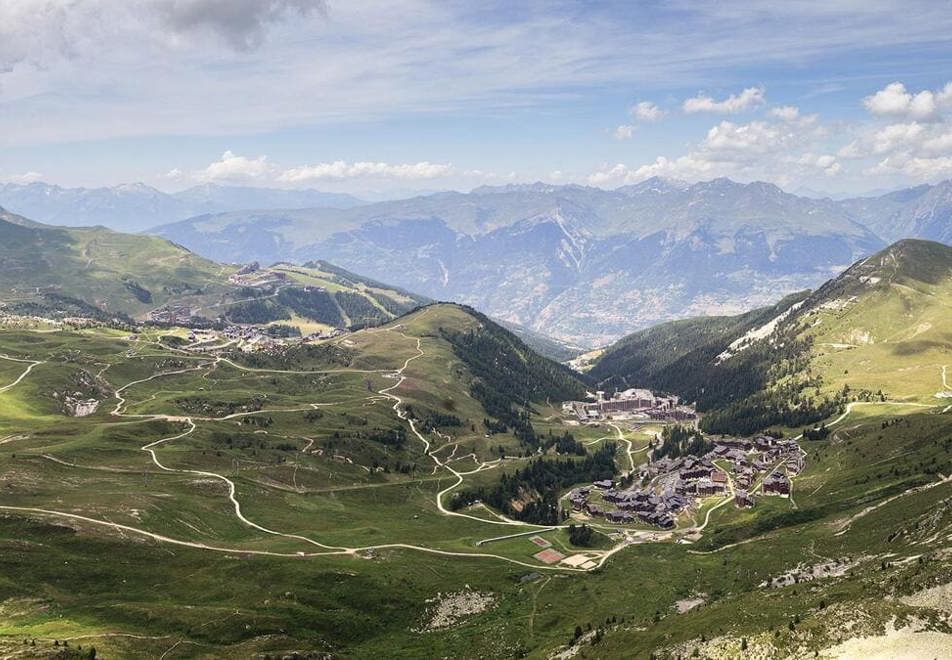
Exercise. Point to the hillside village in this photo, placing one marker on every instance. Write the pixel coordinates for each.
(665, 489)
(673, 484)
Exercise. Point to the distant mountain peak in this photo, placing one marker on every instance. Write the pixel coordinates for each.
(655, 184)
(537, 187)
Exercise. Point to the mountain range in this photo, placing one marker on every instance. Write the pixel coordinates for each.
(136, 206)
(580, 264)
(366, 483)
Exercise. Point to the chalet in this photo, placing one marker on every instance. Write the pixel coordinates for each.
(735, 443)
(743, 499)
(761, 463)
(794, 464)
(745, 478)
(578, 498)
(603, 484)
(593, 510)
(736, 455)
(697, 471)
(719, 477)
(707, 487)
(619, 517)
(642, 502)
(661, 466)
(660, 518)
(674, 502)
(764, 442)
(776, 484)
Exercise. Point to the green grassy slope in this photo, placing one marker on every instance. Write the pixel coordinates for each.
(113, 271)
(877, 330)
(315, 455)
(98, 272)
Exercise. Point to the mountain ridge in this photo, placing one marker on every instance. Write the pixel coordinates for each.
(560, 259)
(863, 333)
(137, 206)
(83, 271)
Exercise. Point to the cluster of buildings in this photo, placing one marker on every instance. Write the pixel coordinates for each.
(324, 334)
(252, 275)
(630, 404)
(627, 506)
(171, 314)
(673, 485)
(251, 338)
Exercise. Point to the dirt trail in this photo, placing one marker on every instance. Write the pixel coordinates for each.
(32, 364)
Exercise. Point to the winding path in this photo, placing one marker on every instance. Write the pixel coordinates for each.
(32, 365)
(398, 407)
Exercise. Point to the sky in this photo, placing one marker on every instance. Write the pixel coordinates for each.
(394, 98)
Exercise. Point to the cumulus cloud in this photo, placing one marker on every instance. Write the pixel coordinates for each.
(733, 104)
(686, 167)
(918, 151)
(921, 169)
(233, 168)
(895, 100)
(777, 151)
(340, 169)
(730, 141)
(826, 163)
(785, 112)
(885, 140)
(646, 111)
(623, 132)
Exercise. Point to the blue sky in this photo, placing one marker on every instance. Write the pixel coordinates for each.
(383, 99)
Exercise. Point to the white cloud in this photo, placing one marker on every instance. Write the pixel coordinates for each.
(340, 169)
(785, 112)
(21, 179)
(234, 168)
(781, 151)
(747, 99)
(623, 132)
(174, 174)
(96, 69)
(944, 96)
(911, 139)
(728, 141)
(916, 168)
(688, 167)
(646, 111)
(895, 101)
(826, 163)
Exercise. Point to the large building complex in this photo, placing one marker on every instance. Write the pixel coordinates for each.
(632, 402)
